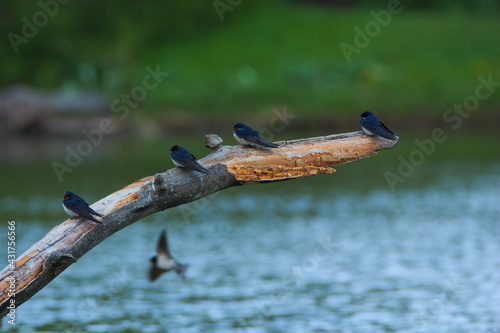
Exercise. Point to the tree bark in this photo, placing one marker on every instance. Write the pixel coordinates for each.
(228, 166)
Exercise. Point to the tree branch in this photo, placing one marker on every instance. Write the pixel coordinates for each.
(228, 165)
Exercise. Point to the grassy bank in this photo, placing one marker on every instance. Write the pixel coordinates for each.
(290, 55)
(264, 55)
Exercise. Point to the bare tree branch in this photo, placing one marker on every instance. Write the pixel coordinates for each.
(228, 165)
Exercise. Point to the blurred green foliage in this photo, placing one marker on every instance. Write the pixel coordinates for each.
(95, 44)
(264, 54)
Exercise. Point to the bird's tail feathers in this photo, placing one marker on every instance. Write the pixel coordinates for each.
(405, 143)
(181, 270)
(266, 143)
(93, 212)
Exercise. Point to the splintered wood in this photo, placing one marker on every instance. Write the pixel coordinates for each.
(268, 173)
(302, 158)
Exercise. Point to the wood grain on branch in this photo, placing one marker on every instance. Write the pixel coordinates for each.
(228, 165)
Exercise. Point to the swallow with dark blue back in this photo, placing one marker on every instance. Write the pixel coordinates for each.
(248, 136)
(75, 206)
(182, 158)
(371, 125)
(163, 261)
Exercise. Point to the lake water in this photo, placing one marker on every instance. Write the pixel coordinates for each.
(324, 254)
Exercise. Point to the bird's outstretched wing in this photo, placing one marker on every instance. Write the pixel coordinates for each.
(155, 272)
(162, 247)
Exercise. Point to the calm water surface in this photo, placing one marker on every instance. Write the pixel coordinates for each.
(327, 258)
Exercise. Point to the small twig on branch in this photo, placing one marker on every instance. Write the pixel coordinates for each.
(228, 166)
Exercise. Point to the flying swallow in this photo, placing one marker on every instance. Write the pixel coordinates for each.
(184, 159)
(247, 136)
(75, 206)
(371, 125)
(163, 261)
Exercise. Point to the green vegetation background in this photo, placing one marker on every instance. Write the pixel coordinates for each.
(264, 54)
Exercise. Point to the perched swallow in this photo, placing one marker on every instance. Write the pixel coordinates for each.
(75, 206)
(184, 159)
(247, 136)
(371, 125)
(163, 261)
